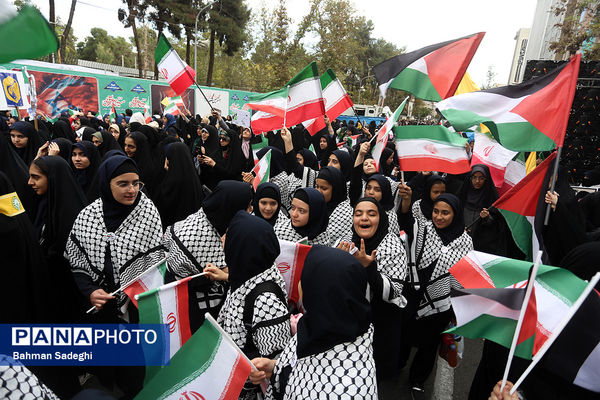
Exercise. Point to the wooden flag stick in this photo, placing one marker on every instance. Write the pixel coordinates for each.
(286, 105)
(554, 176)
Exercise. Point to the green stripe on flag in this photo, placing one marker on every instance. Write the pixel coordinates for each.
(521, 231)
(417, 83)
(327, 78)
(162, 48)
(435, 133)
(570, 285)
(150, 312)
(281, 93)
(309, 72)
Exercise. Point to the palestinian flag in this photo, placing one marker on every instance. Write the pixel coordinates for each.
(172, 109)
(209, 366)
(489, 152)
(151, 278)
(26, 35)
(112, 116)
(300, 100)
(352, 140)
(518, 206)
(385, 132)
(493, 313)
(312, 148)
(335, 98)
(515, 171)
(264, 142)
(556, 290)
(179, 75)
(290, 263)
(431, 148)
(526, 117)
(432, 73)
(262, 170)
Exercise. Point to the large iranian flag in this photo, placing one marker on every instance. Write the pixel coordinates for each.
(299, 100)
(431, 148)
(518, 206)
(556, 290)
(526, 117)
(335, 98)
(290, 263)
(262, 170)
(489, 152)
(151, 278)
(385, 132)
(432, 73)
(209, 367)
(256, 147)
(179, 75)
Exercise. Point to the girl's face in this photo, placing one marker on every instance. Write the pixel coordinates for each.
(477, 180)
(366, 219)
(204, 135)
(299, 213)
(369, 166)
(373, 189)
(323, 143)
(37, 180)
(125, 188)
(442, 215)
(79, 159)
(436, 190)
(130, 147)
(334, 162)
(18, 139)
(300, 159)
(96, 141)
(267, 207)
(115, 133)
(325, 188)
(246, 134)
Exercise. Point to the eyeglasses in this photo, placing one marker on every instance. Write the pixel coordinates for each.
(125, 185)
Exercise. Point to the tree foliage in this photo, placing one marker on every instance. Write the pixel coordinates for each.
(104, 48)
(580, 28)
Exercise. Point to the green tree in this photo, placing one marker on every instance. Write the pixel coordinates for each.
(104, 48)
(580, 28)
(147, 39)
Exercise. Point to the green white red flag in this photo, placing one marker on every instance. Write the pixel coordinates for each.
(262, 170)
(179, 75)
(290, 263)
(256, 147)
(147, 115)
(556, 290)
(299, 100)
(335, 99)
(172, 109)
(209, 366)
(431, 148)
(489, 152)
(152, 278)
(518, 206)
(384, 133)
(515, 171)
(432, 73)
(530, 116)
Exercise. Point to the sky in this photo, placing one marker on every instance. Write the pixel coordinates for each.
(409, 24)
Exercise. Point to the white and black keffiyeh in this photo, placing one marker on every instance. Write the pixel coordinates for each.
(391, 265)
(347, 371)
(432, 254)
(287, 186)
(285, 231)
(134, 247)
(340, 222)
(19, 383)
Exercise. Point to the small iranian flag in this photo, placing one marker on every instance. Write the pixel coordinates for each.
(300, 100)
(515, 171)
(518, 206)
(432, 73)
(179, 75)
(290, 262)
(256, 147)
(489, 152)
(177, 100)
(556, 290)
(147, 115)
(431, 148)
(112, 116)
(530, 116)
(209, 366)
(262, 170)
(172, 109)
(152, 278)
(335, 98)
(385, 132)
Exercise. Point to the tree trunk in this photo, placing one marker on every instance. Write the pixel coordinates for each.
(136, 39)
(187, 47)
(52, 16)
(156, 66)
(211, 58)
(65, 35)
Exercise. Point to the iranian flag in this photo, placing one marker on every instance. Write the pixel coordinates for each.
(172, 109)
(518, 206)
(290, 263)
(256, 147)
(556, 290)
(385, 132)
(151, 278)
(526, 117)
(432, 73)
(177, 100)
(335, 98)
(262, 170)
(112, 116)
(179, 75)
(431, 148)
(300, 100)
(515, 171)
(147, 115)
(209, 366)
(489, 152)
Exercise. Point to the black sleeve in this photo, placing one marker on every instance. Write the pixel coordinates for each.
(375, 279)
(292, 166)
(355, 185)
(85, 284)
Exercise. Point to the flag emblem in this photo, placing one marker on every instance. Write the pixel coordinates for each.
(11, 89)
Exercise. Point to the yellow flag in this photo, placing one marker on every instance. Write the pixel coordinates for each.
(466, 85)
(531, 162)
(166, 101)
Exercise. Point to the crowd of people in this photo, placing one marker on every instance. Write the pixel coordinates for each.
(88, 203)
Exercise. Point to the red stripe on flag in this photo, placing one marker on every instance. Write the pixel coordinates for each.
(133, 289)
(433, 164)
(294, 117)
(183, 81)
(268, 108)
(530, 320)
(239, 373)
(470, 275)
(299, 257)
(183, 313)
(496, 172)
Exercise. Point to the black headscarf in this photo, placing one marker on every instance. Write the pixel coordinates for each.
(115, 212)
(34, 141)
(345, 161)
(271, 191)
(18, 172)
(484, 197)
(334, 286)
(62, 129)
(318, 218)
(64, 146)
(85, 177)
(60, 205)
(323, 155)
(225, 201)
(180, 193)
(87, 134)
(384, 167)
(143, 159)
(108, 143)
(150, 133)
(211, 145)
(382, 229)
(457, 226)
(426, 203)
(387, 200)
(583, 260)
(251, 247)
(310, 159)
(339, 192)
(277, 159)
